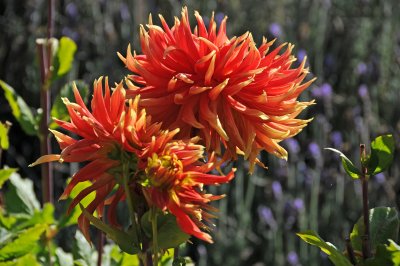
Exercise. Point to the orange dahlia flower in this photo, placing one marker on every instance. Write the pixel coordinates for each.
(173, 181)
(102, 133)
(226, 90)
(116, 133)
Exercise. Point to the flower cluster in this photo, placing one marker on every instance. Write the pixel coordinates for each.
(239, 98)
(117, 134)
(203, 93)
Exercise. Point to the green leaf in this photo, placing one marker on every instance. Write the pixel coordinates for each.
(23, 244)
(83, 252)
(72, 218)
(64, 57)
(348, 166)
(20, 110)
(58, 109)
(119, 258)
(28, 259)
(169, 234)
(63, 258)
(179, 261)
(20, 196)
(382, 151)
(7, 222)
(334, 255)
(128, 243)
(45, 216)
(383, 225)
(385, 255)
(4, 142)
(5, 174)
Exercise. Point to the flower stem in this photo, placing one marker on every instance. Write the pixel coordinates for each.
(350, 252)
(100, 243)
(176, 253)
(366, 249)
(153, 218)
(132, 212)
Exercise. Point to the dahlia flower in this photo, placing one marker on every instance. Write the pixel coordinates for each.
(101, 144)
(116, 133)
(238, 98)
(173, 181)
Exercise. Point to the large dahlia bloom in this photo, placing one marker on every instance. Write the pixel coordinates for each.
(225, 90)
(115, 134)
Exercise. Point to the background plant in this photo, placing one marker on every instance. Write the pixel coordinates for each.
(352, 47)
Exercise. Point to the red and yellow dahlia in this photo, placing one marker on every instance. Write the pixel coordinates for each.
(173, 181)
(225, 90)
(116, 133)
(102, 141)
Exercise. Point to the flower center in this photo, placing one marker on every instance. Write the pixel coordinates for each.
(163, 171)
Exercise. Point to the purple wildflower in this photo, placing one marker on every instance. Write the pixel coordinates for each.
(314, 149)
(292, 258)
(277, 190)
(275, 29)
(363, 91)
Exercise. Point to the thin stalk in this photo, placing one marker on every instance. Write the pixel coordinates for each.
(100, 247)
(366, 249)
(45, 59)
(176, 253)
(350, 252)
(132, 213)
(154, 229)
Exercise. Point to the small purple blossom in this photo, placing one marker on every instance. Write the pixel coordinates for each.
(124, 12)
(380, 178)
(298, 204)
(337, 139)
(361, 68)
(314, 149)
(277, 190)
(219, 17)
(324, 91)
(292, 258)
(71, 10)
(66, 31)
(267, 216)
(301, 54)
(275, 29)
(293, 145)
(363, 91)
(329, 60)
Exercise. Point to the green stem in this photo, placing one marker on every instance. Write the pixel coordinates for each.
(153, 218)
(131, 209)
